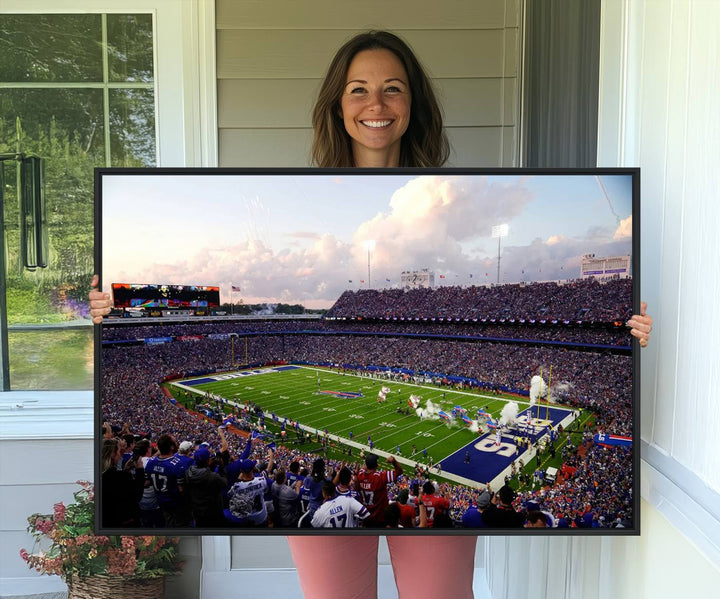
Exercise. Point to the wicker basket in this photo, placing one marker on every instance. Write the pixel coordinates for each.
(116, 587)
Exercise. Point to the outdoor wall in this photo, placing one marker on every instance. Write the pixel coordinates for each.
(271, 57)
(659, 84)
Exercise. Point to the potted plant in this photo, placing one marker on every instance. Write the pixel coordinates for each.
(95, 566)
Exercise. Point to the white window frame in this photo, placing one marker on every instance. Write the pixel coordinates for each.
(186, 130)
(185, 79)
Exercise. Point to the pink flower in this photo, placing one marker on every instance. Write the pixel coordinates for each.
(59, 512)
(24, 555)
(44, 526)
(121, 562)
(128, 542)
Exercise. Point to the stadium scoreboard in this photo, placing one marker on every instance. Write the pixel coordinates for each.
(415, 279)
(177, 297)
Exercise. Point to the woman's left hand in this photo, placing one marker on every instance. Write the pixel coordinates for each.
(641, 325)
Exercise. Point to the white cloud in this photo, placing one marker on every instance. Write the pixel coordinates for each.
(624, 229)
(431, 219)
(438, 222)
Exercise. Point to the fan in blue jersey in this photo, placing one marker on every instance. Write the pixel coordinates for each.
(165, 472)
(293, 475)
(338, 511)
(343, 483)
(312, 485)
(232, 470)
(183, 454)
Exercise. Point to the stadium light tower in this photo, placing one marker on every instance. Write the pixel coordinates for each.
(369, 246)
(499, 231)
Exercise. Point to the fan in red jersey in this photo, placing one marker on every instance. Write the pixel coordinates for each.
(436, 505)
(372, 484)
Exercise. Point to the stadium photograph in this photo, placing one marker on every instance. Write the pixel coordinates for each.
(328, 352)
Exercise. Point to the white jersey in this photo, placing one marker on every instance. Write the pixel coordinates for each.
(340, 512)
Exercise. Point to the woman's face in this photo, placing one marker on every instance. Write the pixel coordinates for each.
(375, 107)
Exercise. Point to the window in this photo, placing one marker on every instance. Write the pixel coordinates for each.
(78, 90)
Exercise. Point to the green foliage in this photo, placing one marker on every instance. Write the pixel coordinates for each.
(289, 309)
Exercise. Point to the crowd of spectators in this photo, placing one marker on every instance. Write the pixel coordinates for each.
(571, 333)
(592, 378)
(579, 299)
(597, 492)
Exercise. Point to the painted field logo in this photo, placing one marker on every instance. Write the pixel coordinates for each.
(341, 394)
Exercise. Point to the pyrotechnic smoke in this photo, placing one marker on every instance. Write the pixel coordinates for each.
(509, 413)
(430, 411)
(474, 427)
(538, 389)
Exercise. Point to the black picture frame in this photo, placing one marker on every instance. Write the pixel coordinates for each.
(139, 210)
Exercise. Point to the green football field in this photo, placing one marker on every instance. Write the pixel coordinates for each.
(295, 394)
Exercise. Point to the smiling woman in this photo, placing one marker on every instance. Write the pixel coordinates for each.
(375, 107)
(364, 105)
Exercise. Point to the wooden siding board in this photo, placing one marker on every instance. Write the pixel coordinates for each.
(287, 103)
(370, 14)
(265, 147)
(474, 146)
(306, 54)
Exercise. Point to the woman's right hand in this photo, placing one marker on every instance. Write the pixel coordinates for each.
(99, 302)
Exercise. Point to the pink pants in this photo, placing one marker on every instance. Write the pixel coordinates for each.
(346, 567)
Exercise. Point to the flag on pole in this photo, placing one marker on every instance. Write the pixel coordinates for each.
(237, 289)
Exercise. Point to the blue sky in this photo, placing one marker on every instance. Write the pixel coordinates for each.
(298, 238)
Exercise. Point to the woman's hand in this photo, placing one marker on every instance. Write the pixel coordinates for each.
(99, 302)
(641, 325)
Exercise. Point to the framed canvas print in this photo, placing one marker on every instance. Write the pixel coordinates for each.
(397, 351)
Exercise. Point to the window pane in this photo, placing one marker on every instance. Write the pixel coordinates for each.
(65, 127)
(53, 359)
(38, 48)
(52, 120)
(130, 48)
(132, 127)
